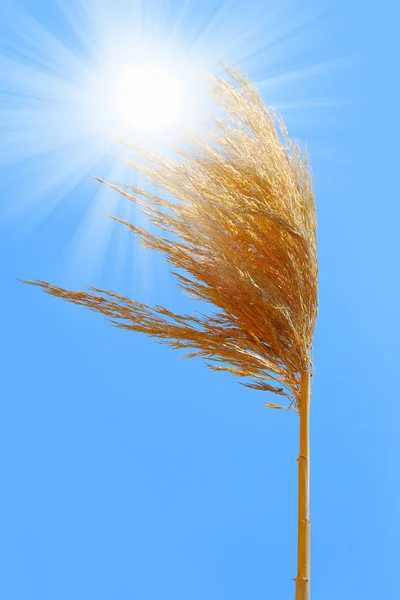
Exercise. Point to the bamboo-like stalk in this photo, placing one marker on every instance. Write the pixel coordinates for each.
(303, 542)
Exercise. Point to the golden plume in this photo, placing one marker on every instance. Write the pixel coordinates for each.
(236, 219)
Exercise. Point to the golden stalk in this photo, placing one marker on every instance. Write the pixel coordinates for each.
(238, 224)
(303, 542)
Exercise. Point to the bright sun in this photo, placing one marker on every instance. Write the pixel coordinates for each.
(147, 98)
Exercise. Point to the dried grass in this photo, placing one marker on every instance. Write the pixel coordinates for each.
(240, 207)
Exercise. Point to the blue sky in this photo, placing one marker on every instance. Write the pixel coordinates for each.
(127, 472)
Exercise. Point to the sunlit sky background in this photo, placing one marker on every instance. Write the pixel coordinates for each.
(127, 473)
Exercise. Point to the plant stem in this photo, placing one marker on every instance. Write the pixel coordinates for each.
(303, 544)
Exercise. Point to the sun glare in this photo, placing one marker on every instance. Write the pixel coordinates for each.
(147, 98)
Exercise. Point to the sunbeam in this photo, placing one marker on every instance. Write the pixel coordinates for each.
(100, 71)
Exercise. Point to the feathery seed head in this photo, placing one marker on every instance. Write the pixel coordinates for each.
(241, 211)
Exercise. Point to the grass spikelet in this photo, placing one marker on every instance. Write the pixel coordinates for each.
(240, 208)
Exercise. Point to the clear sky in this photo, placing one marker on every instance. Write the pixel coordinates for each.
(127, 473)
